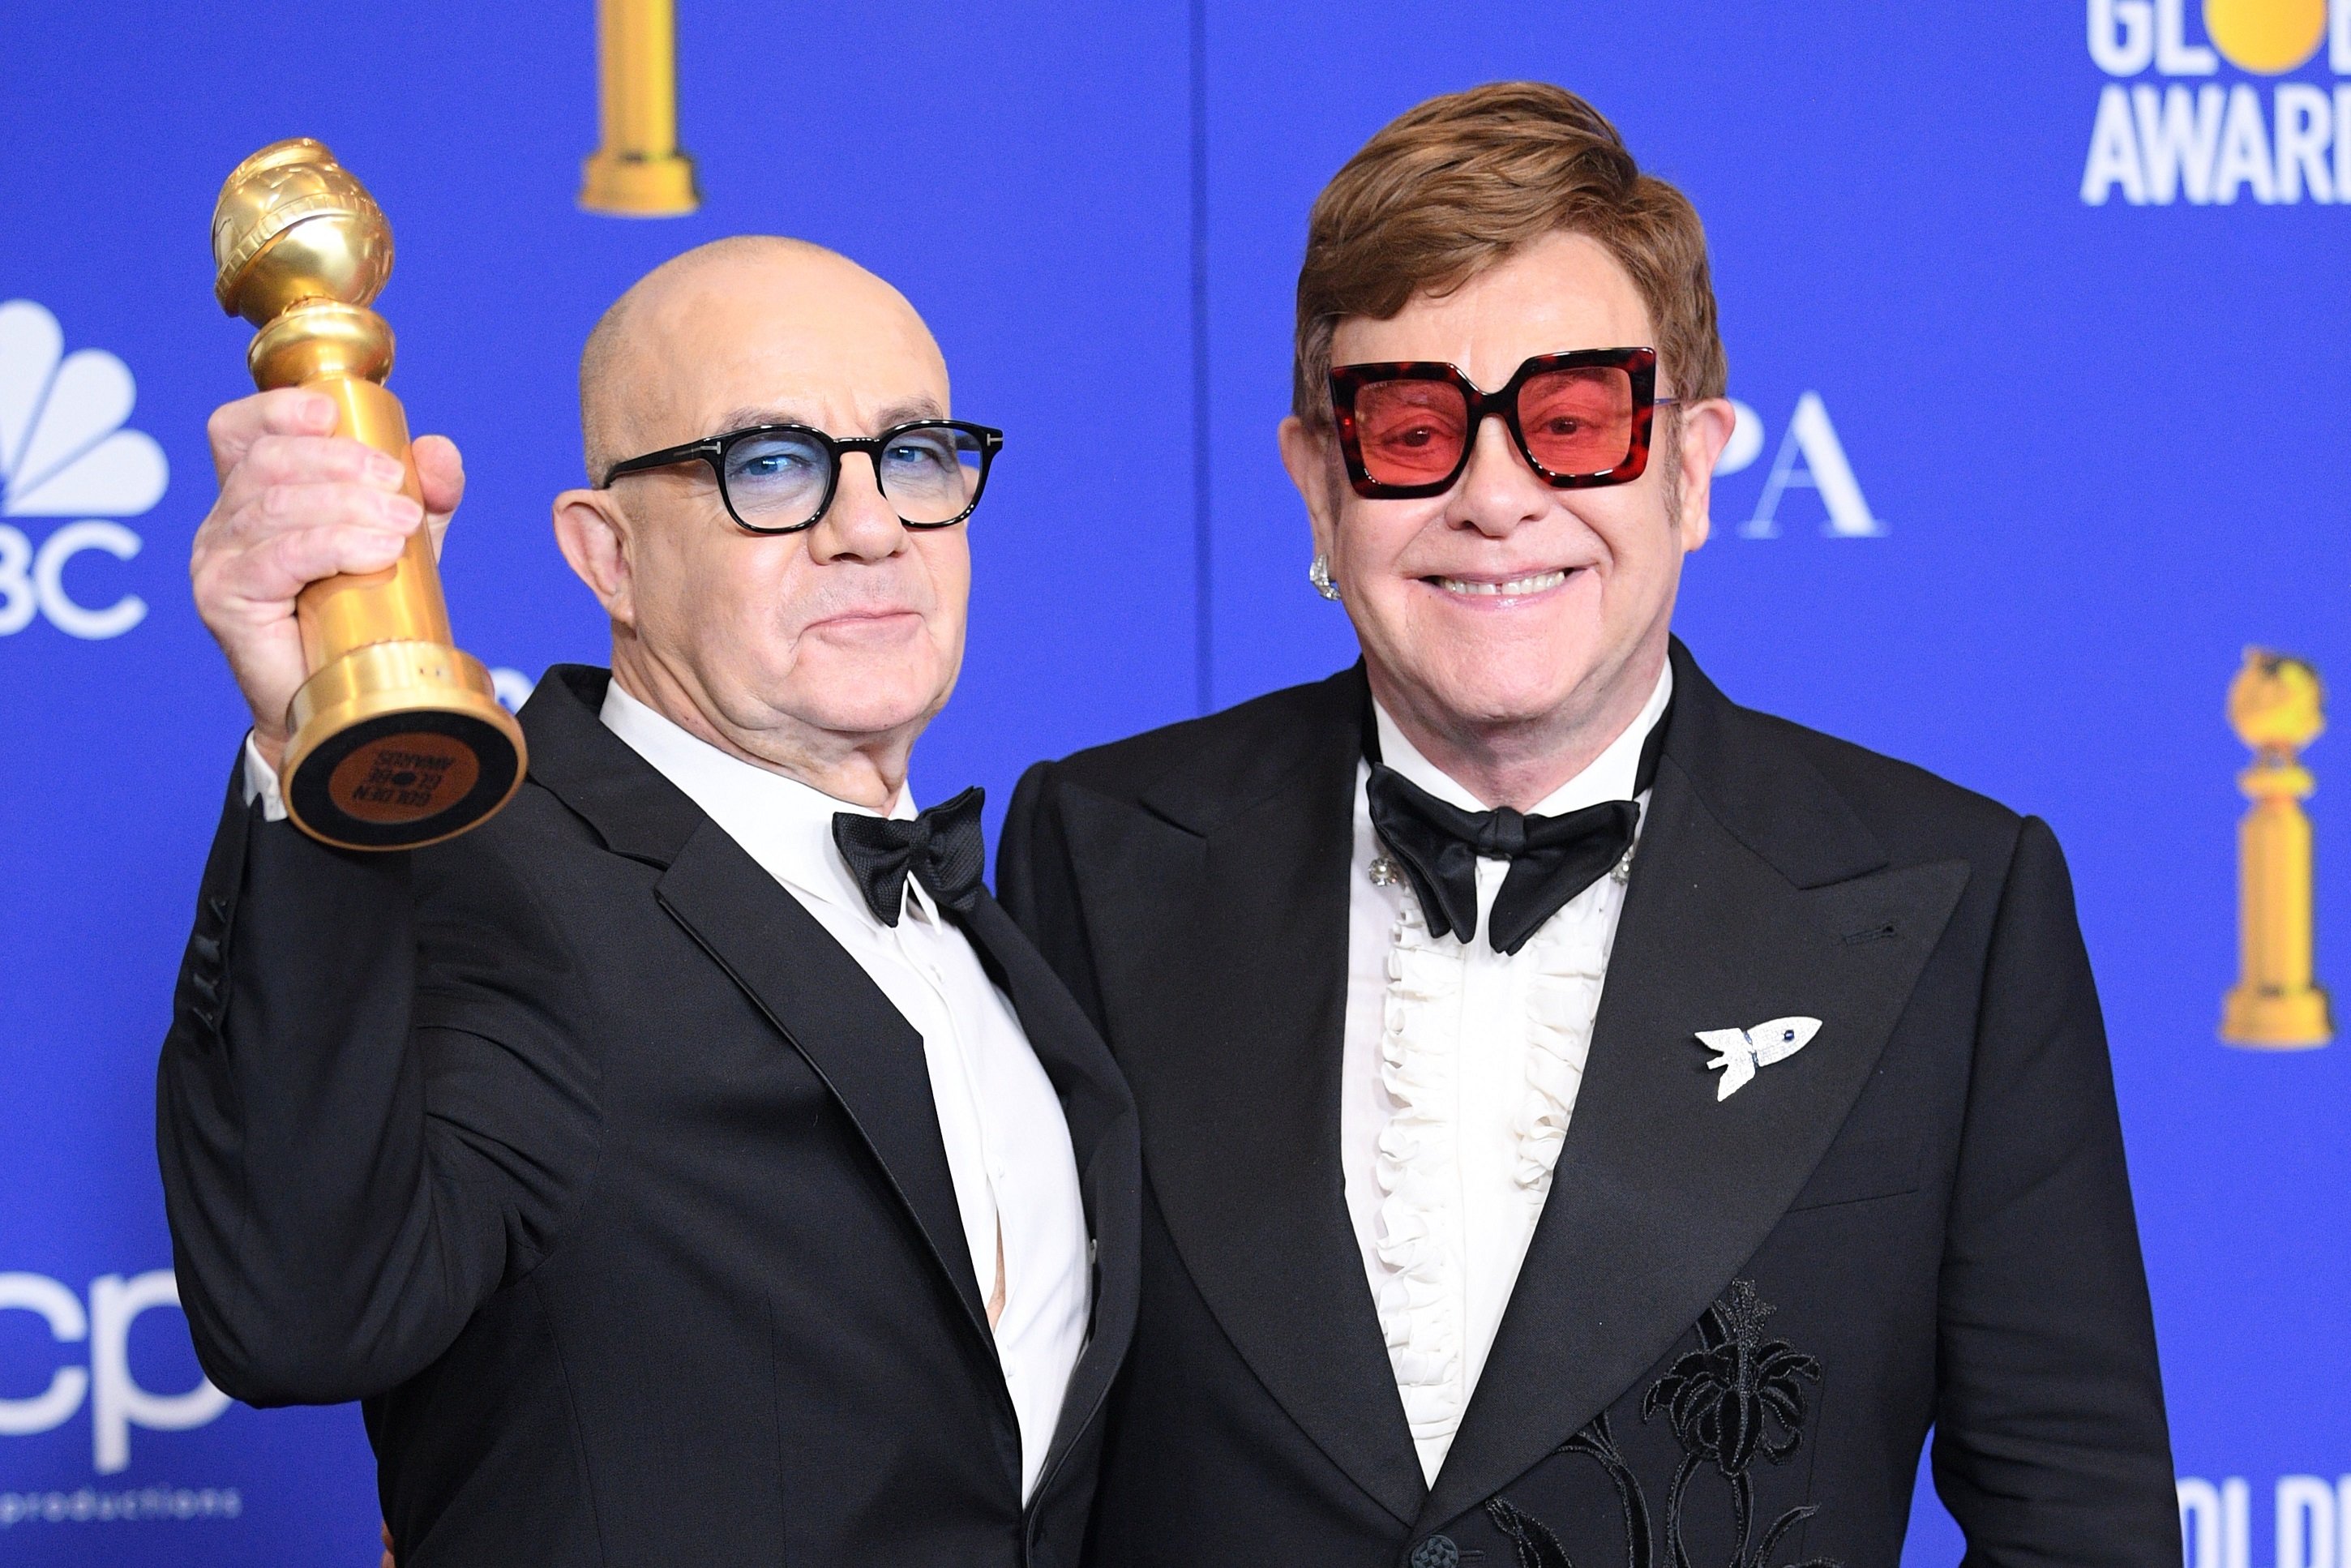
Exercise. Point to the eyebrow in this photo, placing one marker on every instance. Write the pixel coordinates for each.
(905, 412)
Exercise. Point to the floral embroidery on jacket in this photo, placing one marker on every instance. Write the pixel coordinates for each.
(1736, 1398)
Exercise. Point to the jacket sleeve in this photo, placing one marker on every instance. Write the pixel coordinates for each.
(1037, 882)
(371, 1113)
(2050, 1446)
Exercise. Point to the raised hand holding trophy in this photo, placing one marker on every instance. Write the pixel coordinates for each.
(398, 738)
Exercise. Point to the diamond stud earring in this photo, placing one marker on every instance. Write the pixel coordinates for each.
(1319, 574)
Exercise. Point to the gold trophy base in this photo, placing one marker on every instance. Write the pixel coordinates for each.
(2264, 1020)
(629, 186)
(397, 745)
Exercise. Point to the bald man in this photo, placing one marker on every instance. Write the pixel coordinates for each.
(692, 1163)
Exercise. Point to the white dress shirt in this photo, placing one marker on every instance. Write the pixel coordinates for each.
(1007, 1145)
(1460, 1073)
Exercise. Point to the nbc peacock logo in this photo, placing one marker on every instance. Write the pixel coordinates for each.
(2255, 106)
(64, 453)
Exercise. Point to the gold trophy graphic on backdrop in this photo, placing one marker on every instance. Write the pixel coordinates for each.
(638, 171)
(398, 737)
(2275, 706)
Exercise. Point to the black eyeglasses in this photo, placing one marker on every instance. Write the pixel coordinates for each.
(779, 478)
(1580, 420)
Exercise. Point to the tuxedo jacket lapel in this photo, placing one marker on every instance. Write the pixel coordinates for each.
(1104, 1141)
(868, 1056)
(1746, 905)
(809, 988)
(1224, 959)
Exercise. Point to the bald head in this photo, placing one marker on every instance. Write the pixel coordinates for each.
(729, 315)
(819, 650)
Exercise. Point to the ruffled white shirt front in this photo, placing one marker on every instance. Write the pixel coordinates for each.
(1461, 1070)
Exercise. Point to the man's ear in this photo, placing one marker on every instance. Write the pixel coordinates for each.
(592, 531)
(1705, 427)
(1312, 455)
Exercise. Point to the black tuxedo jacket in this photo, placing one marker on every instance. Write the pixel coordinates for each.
(609, 1183)
(1737, 1319)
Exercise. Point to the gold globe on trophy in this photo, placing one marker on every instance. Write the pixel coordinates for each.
(2277, 706)
(398, 737)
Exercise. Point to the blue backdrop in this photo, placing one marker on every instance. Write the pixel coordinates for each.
(2036, 312)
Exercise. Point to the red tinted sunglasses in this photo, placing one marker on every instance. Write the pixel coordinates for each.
(1580, 420)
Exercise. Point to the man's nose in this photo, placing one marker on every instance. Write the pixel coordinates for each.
(1498, 490)
(861, 524)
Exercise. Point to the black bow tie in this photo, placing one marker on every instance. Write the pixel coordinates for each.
(941, 847)
(1552, 859)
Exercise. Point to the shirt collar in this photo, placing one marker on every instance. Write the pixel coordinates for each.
(1609, 777)
(782, 823)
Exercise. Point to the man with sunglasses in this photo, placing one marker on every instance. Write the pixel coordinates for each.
(692, 1163)
(1584, 1120)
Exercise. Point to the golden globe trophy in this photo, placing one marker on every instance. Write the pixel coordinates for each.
(398, 737)
(638, 171)
(2275, 706)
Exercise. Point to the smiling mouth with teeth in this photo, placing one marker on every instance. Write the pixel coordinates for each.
(1515, 587)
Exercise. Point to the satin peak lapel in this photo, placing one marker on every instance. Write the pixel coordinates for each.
(1663, 1189)
(1100, 1116)
(810, 988)
(1224, 956)
(868, 1056)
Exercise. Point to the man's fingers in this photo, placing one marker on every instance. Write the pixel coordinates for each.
(288, 411)
(269, 577)
(291, 562)
(442, 472)
(297, 504)
(274, 459)
(285, 506)
(270, 568)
